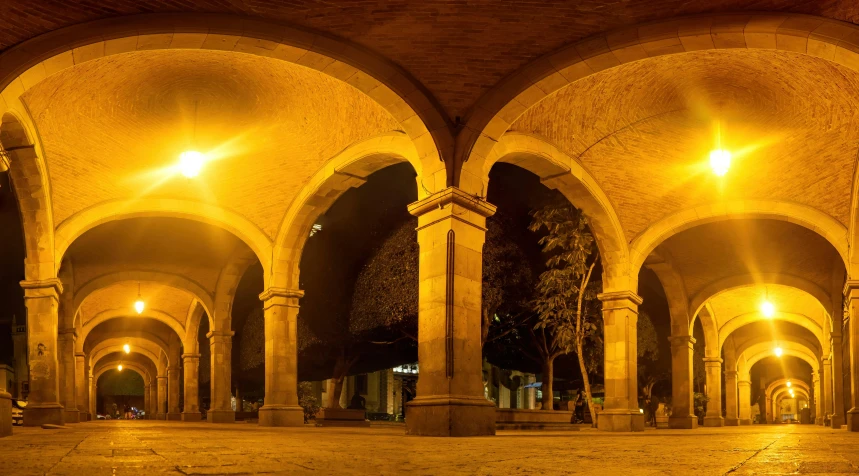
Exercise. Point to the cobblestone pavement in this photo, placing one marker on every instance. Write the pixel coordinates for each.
(142, 447)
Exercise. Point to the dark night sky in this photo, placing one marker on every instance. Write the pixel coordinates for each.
(11, 266)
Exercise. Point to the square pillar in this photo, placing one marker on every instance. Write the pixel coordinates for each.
(731, 411)
(221, 344)
(682, 398)
(620, 317)
(82, 387)
(826, 371)
(162, 397)
(191, 409)
(838, 413)
(851, 293)
(713, 370)
(745, 391)
(66, 360)
(152, 413)
(93, 396)
(147, 402)
(770, 413)
(173, 393)
(818, 401)
(280, 311)
(43, 403)
(450, 401)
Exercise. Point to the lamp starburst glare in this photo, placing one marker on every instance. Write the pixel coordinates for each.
(139, 305)
(778, 351)
(767, 309)
(126, 348)
(191, 162)
(720, 161)
(788, 384)
(119, 367)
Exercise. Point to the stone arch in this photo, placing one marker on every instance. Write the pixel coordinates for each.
(748, 280)
(499, 107)
(760, 351)
(821, 223)
(802, 320)
(195, 315)
(346, 170)
(141, 370)
(712, 332)
(776, 395)
(559, 171)
(166, 279)
(79, 223)
(120, 313)
(380, 79)
(783, 382)
(103, 349)
(32, 189)
(225, 292)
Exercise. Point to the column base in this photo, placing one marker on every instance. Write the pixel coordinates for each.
(622, 420)
(174, 416)
(72, 416)
(836, 421)
(46, 413)
(221, 416)
(281, 415)
(192, 416)
(83, 416)
(161, 416)
(713, 422)
(451, 415)
(683, 422)
(853, 419)
(745, 422)
(732, 422)
(5, 414)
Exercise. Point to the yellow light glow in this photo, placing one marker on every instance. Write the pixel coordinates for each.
(191, 162)
(767, 309)
(720, 161)
(119, 367)
(788, 384)
(126, 348)
(778, 351)
(641, 410)
(139, 306)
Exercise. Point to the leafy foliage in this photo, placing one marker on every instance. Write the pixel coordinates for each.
(307, 401)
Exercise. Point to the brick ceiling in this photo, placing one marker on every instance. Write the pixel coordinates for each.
(457, 49)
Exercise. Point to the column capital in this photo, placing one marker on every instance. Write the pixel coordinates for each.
(190, 356)
(681, 341)
(713, 360)
(280, 297)
(620, 300)
(222, 334)
(35, 289)
(744, 383)
(161, 377)
(731, 374)
(80, 354)
(70, 331)
(449, 199)
(851, 289)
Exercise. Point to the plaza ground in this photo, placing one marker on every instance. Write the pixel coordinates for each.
(143, 447)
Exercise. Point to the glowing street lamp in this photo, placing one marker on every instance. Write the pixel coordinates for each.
(788, 384)
(767, 309)
(191, 162)
(127, 349)
(119, 367)
(778, 351)
(720, 161)
(139, 305)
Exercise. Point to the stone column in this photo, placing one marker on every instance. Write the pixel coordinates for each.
(66, 360)
(191, 410)
(162, 397)
(531, 394)
(43, 403)
(713, 369)
(620, 316)
(389, 388)
(173, 412)
(221, 409)
(82, 396)
(826, 370)
(838, 413)
(152, 414)
(770, 413)
(147, 402)
(818, 401)
(745, 390)
(731, 414)
(93, 396)
(280, 311)
(450, 400)
(682, 409)
(851, 293)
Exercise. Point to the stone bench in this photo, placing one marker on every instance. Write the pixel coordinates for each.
(521, 419)
(341, 417)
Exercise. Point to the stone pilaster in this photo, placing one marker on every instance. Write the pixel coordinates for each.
(682, 397)
(745, 391)
(620, 317)
(162, 397)
(826, 370)
(851, 293)
(147, 401)
(838, 412)
(818, 400)
(221, 345)
(769, 409)
(152, 414)
(82, 389)
(66, 361)
(93, 396)
(43, 403)
(731, 411)
(173, 412)
(713, 370)
(280, 311)
(191, 410)
(450, 401)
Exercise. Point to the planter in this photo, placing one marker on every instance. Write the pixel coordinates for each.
(341, 417)
(520, 419)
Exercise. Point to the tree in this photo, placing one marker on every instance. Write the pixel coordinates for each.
(565, 304)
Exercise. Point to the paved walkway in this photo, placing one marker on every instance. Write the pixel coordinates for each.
(142, 447)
